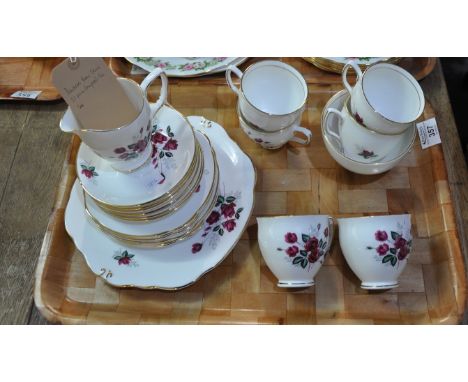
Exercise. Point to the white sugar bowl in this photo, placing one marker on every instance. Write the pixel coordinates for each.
(294, 247)
(376, 248)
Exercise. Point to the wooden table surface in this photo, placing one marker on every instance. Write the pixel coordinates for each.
(32, 151)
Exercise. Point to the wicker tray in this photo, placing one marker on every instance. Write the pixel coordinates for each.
(292, 180)
(419, 67)
(28, 73)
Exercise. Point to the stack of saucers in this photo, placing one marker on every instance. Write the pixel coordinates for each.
(165, 200)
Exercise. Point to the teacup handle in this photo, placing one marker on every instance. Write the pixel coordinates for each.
(330, 233)
(304, 131)
(340, 115)
(237, 72)
(344, 73)
(149, 79)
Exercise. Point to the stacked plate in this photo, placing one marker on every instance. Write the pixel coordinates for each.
(173, 219)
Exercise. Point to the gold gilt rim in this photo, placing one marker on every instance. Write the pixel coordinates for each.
(164, 239)
(171, 190)
(158, 287)
(333, 66)
(159, 200)
(162, 206)
(148, 215)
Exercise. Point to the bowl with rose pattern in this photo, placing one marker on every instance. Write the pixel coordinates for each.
(376, 248)
(294, 247)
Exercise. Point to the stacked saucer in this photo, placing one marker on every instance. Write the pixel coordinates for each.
(165, 200)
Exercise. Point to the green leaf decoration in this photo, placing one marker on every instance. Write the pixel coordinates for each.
(297, 260)
(117, 257)
(220, 199)
(394, 260)
(323, 245)
(393, 251)
(221, 232)
(305, 238)
(83, 167)
(230, 199)
(240, 210)
(161, 154)
(130, 255)
(171, 135)
(395, 235)
(304, 263)
(216, 228)
(95, 173)
(125, 253)
(303, 253)
(237, 215)
(320, 243)
(387, 258)
(409, 243)
(168, 154)
(168, 129)
(91, 168)
(369, 247)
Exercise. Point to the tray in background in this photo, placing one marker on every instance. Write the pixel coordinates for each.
(28, 73)
(419, 67)
(292, 180)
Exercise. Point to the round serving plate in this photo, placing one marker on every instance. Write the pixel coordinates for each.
(172, 159)
(336, 64)
(186, 66)
(197, 204)
(181, 264)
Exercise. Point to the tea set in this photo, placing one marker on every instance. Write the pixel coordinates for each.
(164, 199)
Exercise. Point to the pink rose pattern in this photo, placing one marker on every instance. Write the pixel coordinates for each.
(309, 251)
(125, 258)
(88, 171)
(221, 220)
(391, 251)
(133, 150)
(163, 146)
(194, 65)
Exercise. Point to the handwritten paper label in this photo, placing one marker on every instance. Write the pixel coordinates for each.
(428, 133)
(93, 93)
(27, 94)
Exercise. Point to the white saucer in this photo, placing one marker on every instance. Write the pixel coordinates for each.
(175, 219)
(173, 143)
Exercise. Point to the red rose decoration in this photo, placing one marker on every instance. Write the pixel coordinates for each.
(400, 242)
(158, 138)
(313, 257)
(87, 173)
(171, 145)
(229, 225)
(403, 252)
(124, 260)
(119, 150)
(381, 236)
(196, 247)
(311, 245)
(325, 232)
(213, 218)
(228, 210)
(140, 146)
(292, 251)
(382, 249)
(290, 237)
(359, 118)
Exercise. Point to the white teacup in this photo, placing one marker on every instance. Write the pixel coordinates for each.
(294, 247)
(358, 142)
(274, 139)
(126, 147)
(376, 248)
(272, 94)
(386, 98)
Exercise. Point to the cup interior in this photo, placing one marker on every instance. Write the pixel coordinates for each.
(393, 93)
(274, 88)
